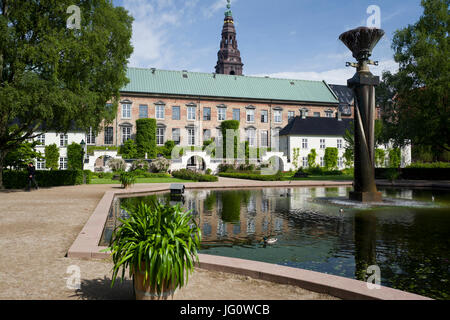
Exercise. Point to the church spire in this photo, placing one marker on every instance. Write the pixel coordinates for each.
(229, 57)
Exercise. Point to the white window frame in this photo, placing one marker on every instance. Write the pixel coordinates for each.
(191, 136)
(291, 115)
(90, 137)
(160, 135)
(251, 137)
(305, 162)
(41, 139)
(250, 116)
(264, 116)
(264, 138)
(63, 140)
(62, 163)
(126, 134)
(177, 141)
(221, 114)
(160, 112)
(322, 162)
(278, 116)
(304, 143)
(40, 164)
(323, 144)
(191, 112)
(339, 144)
(126, 111)
(109, 136)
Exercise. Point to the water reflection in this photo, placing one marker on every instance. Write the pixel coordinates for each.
(411, 245)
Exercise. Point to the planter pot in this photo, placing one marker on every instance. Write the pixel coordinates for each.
(147, 291)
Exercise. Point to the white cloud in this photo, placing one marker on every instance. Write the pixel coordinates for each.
(217, 6)
(334, 76)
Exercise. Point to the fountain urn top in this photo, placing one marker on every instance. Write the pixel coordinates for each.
(361, 41)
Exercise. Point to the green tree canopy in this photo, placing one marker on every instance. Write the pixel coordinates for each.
(415, 100)
(52, 157)
(56, 78)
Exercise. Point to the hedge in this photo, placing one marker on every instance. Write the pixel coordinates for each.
(53, 178)
(234, 126)
(185, 174)
(146, 138)
(251, 176)
(415, 173)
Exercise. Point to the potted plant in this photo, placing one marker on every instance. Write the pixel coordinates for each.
(158, 244)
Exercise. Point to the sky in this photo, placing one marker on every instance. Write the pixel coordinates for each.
(294, 39)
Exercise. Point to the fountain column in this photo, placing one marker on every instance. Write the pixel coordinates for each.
(361, 42)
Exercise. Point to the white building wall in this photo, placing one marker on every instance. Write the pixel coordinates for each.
(55, 138)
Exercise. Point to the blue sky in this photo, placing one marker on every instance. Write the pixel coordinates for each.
(281, 38)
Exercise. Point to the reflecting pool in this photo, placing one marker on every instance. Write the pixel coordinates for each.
(410, 242)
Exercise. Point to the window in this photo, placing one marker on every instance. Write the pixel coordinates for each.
(176, 136)
(340, 162)
(339, 143)
(322, 161)
(322, 144)
(160, 112)
(237, 114)
(160, 136)
(143, 111)
(222, 114)
(176, 113)
(62, 163)
(305, 162)
(109, 134)
(277, 116)
(41, 139)
(291, 115)
(251, 137)
(191, 113)
(206, 135)
(206, 114)
(329, 114)
(40, 164)
(126, 134)
(317, 114)
(264, 116)
(126, 111)
(304, 143)
(191, 136)
(219, 137)
(264, 138)
(250, 115)
(90, 137)
(63, 140)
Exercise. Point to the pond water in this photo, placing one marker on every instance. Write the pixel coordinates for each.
(410, 242)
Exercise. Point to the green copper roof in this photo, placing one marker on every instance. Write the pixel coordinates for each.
(154, 81)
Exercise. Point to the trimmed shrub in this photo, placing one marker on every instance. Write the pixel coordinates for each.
(331, 158)
(146, 138)
(53, 178)
(252, 176)
(431, 165)
(139, 165)
(52, 157)
(312, 158)
(74, 156)
(395, 158)
(185, 174)
(230, 125)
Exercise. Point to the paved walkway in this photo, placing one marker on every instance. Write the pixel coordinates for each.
(37, 228)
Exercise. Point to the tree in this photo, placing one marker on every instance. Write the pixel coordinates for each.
(129, 150)
(22, 155)
(52, 157)
(75, 155)
(56, 78)
(380, 156)
(415, 100)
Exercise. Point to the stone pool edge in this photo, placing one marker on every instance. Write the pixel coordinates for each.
(86, 247)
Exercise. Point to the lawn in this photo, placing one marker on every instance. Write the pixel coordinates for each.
(139, 180)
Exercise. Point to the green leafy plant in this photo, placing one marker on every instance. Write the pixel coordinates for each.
(146, 138)
(157, 242)
(127, 179)
(331, 158)
(74, 156)
(296, 158)
(52, 157)
(129, 150)
(116, 165)
(312, 158)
